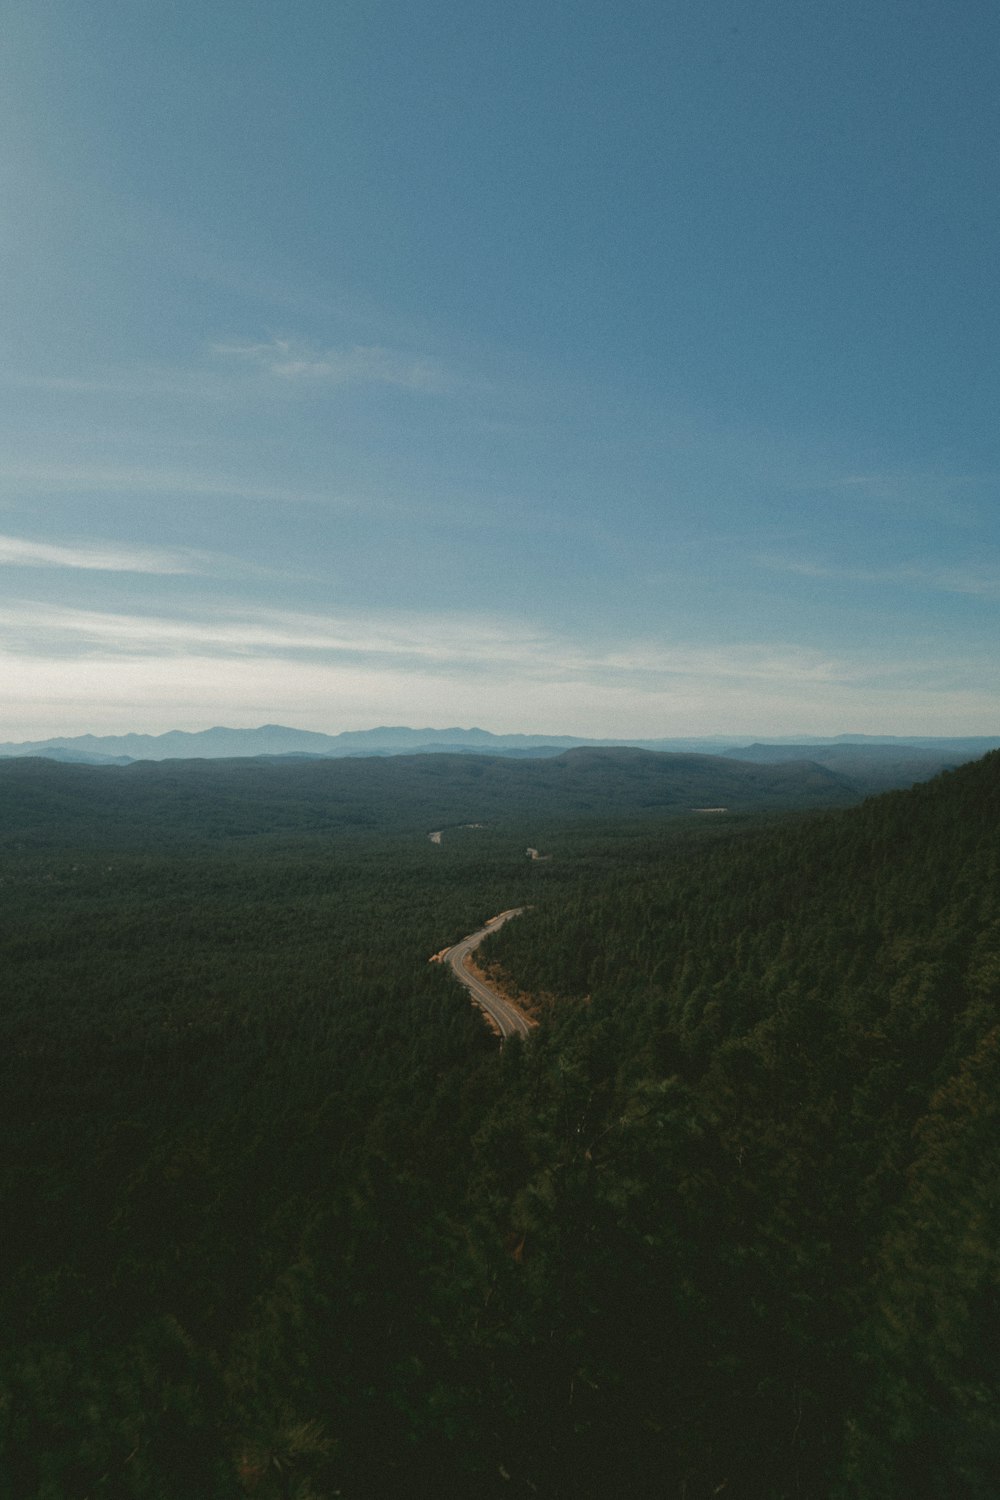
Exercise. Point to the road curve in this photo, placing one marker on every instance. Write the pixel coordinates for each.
(507, 1017)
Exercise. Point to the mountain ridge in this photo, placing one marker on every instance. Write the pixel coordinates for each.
(222, 742)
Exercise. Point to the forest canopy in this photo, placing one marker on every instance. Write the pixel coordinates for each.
(281, 1219)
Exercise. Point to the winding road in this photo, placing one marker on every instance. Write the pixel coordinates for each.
(507, 1018)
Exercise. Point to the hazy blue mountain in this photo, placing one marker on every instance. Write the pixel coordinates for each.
(177, 744)
(279, 739)
(879, 762)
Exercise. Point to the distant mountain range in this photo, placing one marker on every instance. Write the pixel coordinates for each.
(278, 739)
(892, 757)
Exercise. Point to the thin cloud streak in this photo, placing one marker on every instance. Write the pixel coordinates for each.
(451, 646)
(972, 579)
(21, 480)
(451, 641)
(20, 553)
(898, 483)
(84, 478)
(361, 364)
(110, 693)
(139, 384)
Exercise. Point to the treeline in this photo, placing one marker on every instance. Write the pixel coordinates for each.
(281, 1221)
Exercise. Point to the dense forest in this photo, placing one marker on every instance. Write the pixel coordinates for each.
(281, 1219)
(163, 801)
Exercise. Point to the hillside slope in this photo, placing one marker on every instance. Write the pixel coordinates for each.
(211, 799)
(779, 1102)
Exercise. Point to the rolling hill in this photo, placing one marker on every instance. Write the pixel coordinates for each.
(168, 800)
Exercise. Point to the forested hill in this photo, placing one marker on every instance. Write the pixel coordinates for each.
(180, 799)
(775, 1069)
(281, 1220)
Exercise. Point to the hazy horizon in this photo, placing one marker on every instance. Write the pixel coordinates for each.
(629, 371)
(524, 732)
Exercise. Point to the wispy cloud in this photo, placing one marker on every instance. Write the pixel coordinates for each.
(69, 478)
(898, 484)
(112, 557)
(358, 365)
(452, 645)
(111, 672)
(746, 662)
(140, 383)
(972, 578)
(402, 502)
(225, 376)
(21, 553)
(952, 500)
(984, 582)
(447, 641)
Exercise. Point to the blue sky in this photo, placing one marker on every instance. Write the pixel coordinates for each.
(565, 367)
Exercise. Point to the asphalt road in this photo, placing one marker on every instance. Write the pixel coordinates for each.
(507, 1018)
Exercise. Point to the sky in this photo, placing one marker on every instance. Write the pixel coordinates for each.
(616, 370)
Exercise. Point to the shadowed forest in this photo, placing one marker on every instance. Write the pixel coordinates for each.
(282, 1220)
